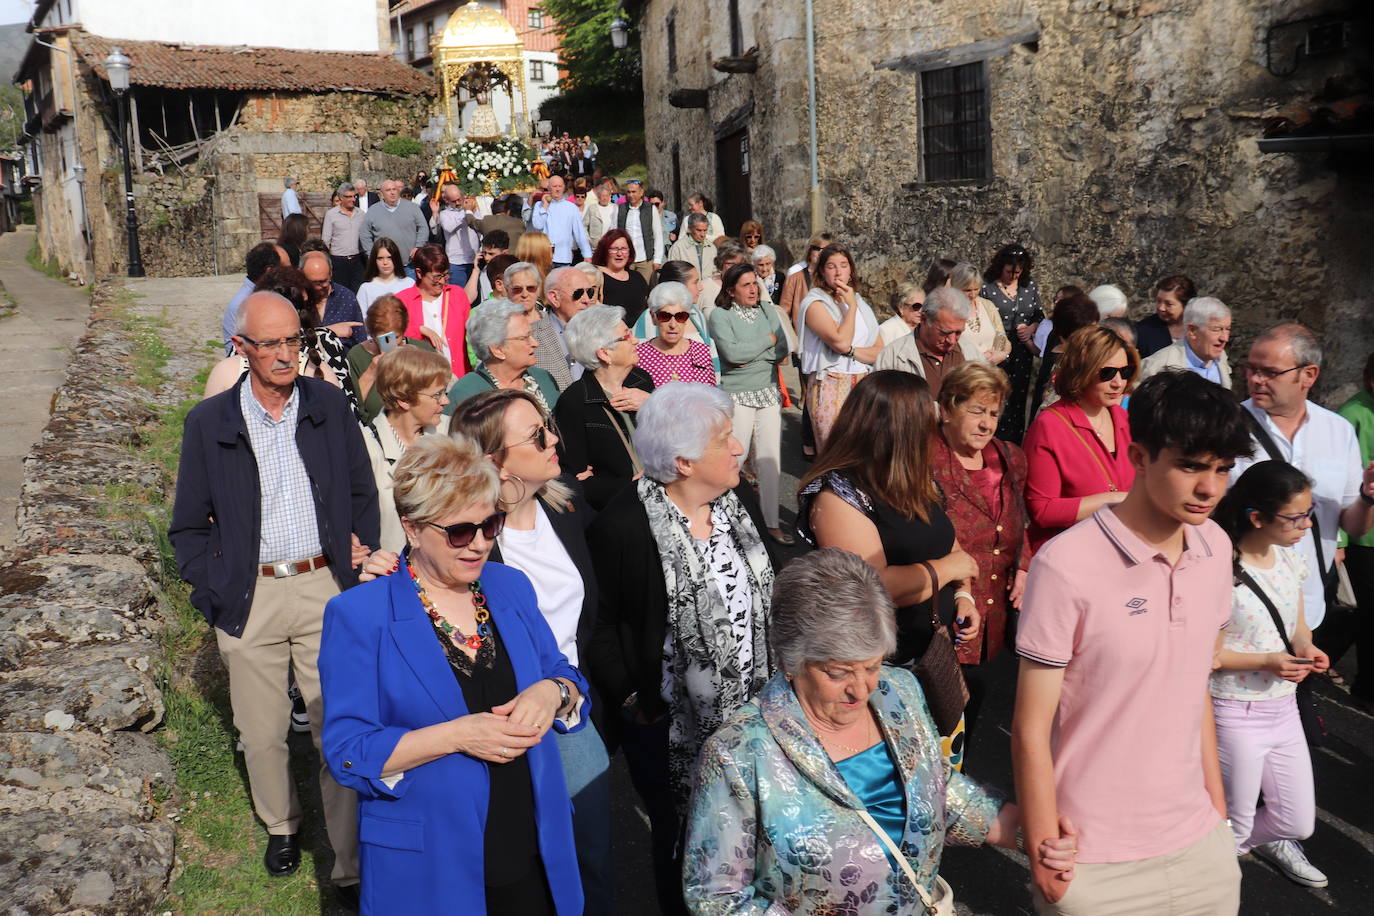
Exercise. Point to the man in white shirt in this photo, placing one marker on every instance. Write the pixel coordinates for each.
(559, 219)
(366, 198)
(645, 227)
(290, 203)
(1282, 367)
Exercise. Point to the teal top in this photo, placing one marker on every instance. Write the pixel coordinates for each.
(873, 777)
(1359, 410)
(538, 382)
(748, 359)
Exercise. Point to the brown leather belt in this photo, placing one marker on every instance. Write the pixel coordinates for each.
(292, 567)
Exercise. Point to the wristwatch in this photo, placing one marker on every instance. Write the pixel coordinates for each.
(564, 694)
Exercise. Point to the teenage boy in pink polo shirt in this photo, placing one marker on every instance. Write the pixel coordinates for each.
(1113, 725)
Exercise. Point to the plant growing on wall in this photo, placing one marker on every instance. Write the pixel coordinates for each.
(485, 167)
(398, 145)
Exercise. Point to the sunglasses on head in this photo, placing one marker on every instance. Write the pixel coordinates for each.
(679, 317)
(1107, 373)
(461, 534)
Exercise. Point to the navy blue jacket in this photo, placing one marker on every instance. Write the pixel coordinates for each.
(216, 517)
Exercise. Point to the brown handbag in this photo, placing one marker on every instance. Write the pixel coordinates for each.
(938, 669)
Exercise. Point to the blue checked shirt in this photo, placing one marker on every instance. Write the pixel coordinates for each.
(288, 530)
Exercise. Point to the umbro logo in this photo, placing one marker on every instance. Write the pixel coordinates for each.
(1137, 606)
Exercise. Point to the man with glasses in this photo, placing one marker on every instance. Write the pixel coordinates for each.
(335, 304)
(642, 222)
(340, 232)
(275, 500)
(932, 349)
(1207, 329)
(1283, 365)
(568, 291)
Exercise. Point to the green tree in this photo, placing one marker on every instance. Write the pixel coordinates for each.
(11, 116)
(584, 32)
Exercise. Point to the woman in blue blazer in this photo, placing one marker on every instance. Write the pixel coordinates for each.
(441, 683)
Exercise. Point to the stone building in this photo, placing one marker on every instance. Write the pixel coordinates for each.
(1121, 140)
(216, 121)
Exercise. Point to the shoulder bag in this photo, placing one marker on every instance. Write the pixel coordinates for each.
(1313, 725)
(944, 906)
(938, 668)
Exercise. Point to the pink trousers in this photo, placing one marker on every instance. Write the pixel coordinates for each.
(1262, 749)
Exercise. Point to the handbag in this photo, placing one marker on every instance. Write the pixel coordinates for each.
(1313, 724)
(938, 669)
(943, 904)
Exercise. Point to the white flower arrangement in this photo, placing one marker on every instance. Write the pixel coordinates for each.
(509, 158)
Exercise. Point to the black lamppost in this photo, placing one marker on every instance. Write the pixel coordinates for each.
(117, 68)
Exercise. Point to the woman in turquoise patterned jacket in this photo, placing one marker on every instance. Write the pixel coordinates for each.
(805, 797)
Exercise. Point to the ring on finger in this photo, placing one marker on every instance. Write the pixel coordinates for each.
(505, 752)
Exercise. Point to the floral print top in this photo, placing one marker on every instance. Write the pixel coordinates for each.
(774, 828)
(1252, 628)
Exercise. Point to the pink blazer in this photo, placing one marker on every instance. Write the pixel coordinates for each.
(1068, 461)
(455, 313)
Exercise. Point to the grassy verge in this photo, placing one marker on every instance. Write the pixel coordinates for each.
(219, 842)
(49, 267)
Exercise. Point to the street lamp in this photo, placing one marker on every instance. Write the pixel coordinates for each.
(620, 33)
(117, 67)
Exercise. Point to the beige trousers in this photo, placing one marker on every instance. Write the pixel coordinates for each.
(283, 630)
(1198, 880)
(646, 270)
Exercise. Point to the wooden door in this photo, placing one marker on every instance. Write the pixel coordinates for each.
(733, 201)
(314, 205)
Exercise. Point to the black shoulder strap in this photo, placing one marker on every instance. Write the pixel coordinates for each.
(1249, 582)
(1262, 436)
(1271, 447)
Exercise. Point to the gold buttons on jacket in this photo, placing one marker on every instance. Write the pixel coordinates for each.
(348, 764)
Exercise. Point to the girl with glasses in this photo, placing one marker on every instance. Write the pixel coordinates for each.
(1077, 450)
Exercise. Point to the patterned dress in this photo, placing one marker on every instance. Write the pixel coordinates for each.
(1024, 309)
(692, 365)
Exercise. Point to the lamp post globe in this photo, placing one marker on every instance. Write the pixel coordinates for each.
(620, 33)
(117, 67)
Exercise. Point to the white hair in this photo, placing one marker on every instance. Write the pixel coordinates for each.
(829, 606)
(555, 276)
(697, 219)
(947, 299)
(1202, 310)
(679, 420)
(518, 268)
(667, 294)
(489, 326)
(760, 252)
(589, 269)
(590, 330)
(288, 181)
(1111, 302)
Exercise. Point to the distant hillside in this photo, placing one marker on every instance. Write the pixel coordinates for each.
(13, 42)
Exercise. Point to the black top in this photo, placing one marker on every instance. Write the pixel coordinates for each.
(587, 438)
(631, 294)
(906, 540)
(1151, 335)
(510, 839)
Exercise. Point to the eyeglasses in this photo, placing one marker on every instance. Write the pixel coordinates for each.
(524, 337)
(291, 343)
(815, 248)
(679, 317)
(540, 437)
(1107, 373)
(1295, 521)
(462, 534)
(579, 293)
(439, 396)
(1268, 375)
(614, 250)
(517, 290)
(628, 335)
(347, 196)
(757, 237)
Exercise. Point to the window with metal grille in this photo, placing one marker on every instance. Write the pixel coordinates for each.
(537, 71)
(955, 132)
(536, 18)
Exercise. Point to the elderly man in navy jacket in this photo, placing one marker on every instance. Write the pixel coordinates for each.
(275, 500)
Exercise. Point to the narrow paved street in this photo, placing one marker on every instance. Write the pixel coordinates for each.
(35, 343)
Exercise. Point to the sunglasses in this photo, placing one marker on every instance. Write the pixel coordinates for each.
(679, 317)
(517, 290)
(579, 293)
(540, 437)
(1107, 373)
(462, 534)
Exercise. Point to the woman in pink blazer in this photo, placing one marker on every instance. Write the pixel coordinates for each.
(435, 303)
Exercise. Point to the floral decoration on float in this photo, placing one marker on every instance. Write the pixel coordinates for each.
(486, 167)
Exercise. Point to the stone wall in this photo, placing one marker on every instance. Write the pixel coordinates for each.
(81, 780)
(1123, 149)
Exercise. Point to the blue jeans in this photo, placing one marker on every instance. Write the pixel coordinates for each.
(458, 274)
(410, 272)
(586, 769)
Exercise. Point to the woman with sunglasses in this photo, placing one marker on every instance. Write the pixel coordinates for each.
(441, 684)
(677, 351)
(750, 236)
(1076, 451)
(620, 286)
(596, 413)
(412, 385)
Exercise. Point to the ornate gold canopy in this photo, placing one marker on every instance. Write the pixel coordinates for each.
(477, 51)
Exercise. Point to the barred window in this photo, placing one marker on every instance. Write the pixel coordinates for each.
(536, 18)
(537, 71)
(955, 131)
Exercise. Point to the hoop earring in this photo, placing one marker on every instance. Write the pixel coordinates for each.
(520, 484)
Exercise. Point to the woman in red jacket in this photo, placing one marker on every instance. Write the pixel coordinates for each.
(1076, 449)
(437, 304)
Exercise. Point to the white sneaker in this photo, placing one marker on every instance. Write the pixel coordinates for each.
(1287, 856)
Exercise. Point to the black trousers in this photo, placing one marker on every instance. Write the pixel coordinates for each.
(348, 271)
(646, 754)
(1359, 563)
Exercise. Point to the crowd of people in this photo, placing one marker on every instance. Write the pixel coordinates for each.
(514, 507)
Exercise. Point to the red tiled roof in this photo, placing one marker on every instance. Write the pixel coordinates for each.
(172, 66)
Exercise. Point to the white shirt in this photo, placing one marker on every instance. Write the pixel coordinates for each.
(1252, 627)
(1042, 334)
(290, 203)
(432, 312)
(557, 583)
(816, 356)
(1326, 450)
(370, 291)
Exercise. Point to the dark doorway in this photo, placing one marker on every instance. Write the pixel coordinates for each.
(733, 202)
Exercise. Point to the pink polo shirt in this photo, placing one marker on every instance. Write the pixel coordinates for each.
(1135, 637)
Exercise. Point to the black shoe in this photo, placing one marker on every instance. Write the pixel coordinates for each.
(283, 855)
(348, 895)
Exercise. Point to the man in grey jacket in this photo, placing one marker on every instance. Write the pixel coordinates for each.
(397, 219)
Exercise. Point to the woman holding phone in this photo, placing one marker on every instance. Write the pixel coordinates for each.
(386, 325)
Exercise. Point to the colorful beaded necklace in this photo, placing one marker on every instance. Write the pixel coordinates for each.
(479, 608)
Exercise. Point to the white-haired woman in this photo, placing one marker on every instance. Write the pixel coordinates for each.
(907, 299)
(765, 261)
(685, 578)
(502, 340)
(984, 337)
(596, 413)
(867, 802)
(679, 347)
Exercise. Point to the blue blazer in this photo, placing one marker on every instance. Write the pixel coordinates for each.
(383, 674)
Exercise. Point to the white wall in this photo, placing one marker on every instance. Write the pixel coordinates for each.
(321, 25)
